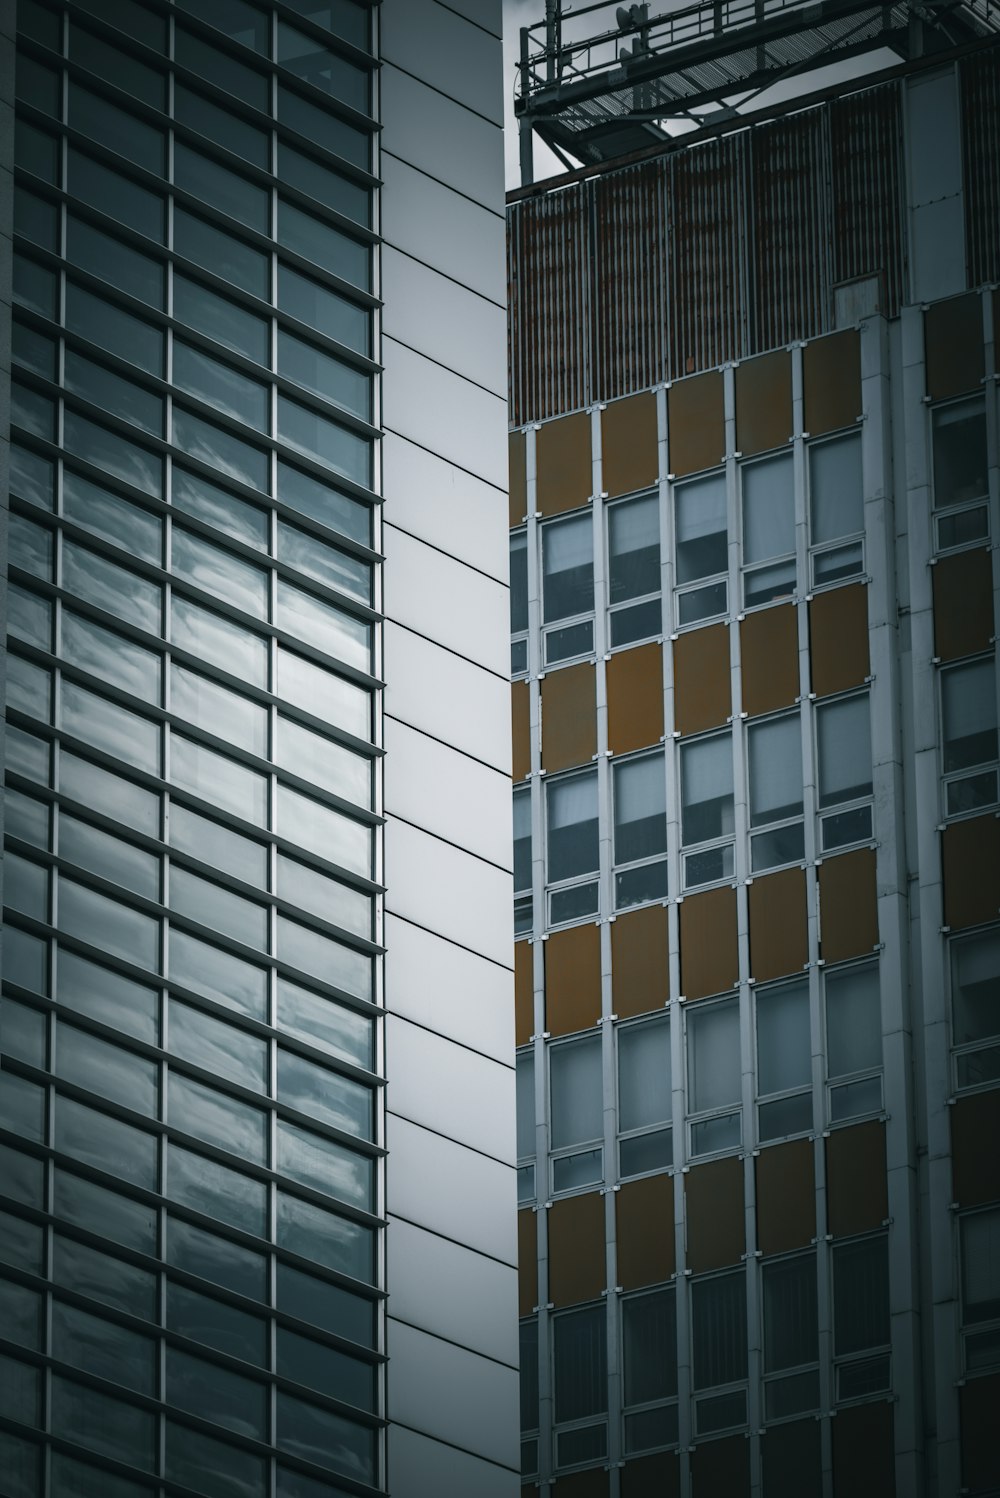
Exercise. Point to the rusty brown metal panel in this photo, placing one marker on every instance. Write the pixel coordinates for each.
(520, 726)
(980, 104)
(702, 682)
(779, 938)
(848, 905)
(719, 1467)
(866, 161)
(863, 1459)
(769, 651)
(548, 294)
(563, 470)
(629, 267)
(594, 1482)
(707, 262)
(791, 229)
(646, 1475)
(978, 1402)
(838, 639)
(791, 1459)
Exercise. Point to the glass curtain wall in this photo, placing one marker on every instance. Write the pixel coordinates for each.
(190, 1128)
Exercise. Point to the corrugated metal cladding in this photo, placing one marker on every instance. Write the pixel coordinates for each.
(980, 93)
(714, 252)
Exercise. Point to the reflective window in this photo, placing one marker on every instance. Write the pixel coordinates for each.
(836, 507)
(576, 1109)
(572, 844)
(568, 586)
(320, 308)
(314, 64)
(774, 751)
(634, 569)
(224, 320)
(116, 196)
(975, 1008)
(702, 547)
(123, 267)
(719, 1329)
(110, 327)
(322, 127)
(644, 1097)
(845, 769)
(221, 386)
(980, 1261)
(326, 246)
(706, 769)
(861, 1316)
(221, 253)
(768, 529)
(713, 1076)
(221, 126)
(959, 445)
(791, 1340)
(522, 860)
(116, 129)
(969, 735)
(784, 1060)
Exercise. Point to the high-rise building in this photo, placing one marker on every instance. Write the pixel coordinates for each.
(755, 508)
(257, 948)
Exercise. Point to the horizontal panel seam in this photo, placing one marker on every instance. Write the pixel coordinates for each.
(419, 260)
(440, 1134)
(429, 1030)
(496, 35)
(419, 634)
(419, 926)
(394, 717)
(422, 354)
(392, 526)
(448, 186)
(447, 1237)
(426, 83)
(452, 1445)
(476, 1352)
(394, 816)
(436, 453)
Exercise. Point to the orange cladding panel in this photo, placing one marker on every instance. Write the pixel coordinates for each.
(645, 1218)
(635, 698)
(838, 639)
(970, 858)
(863, 1462)
(562, 464)
(779, 937)
(702, 692)
(975, 1159)
(697, 424)
(524, 997)
(764, 403)
(831, 382)
(857, 1193)
(713, 1195)
(576, 1249)
(769, 655)
(963, 603)
(569, 717)
(709, 951)
(517, 479)
(954, 351)
(786, 1197)
(629, 450)
(572, 979)
(848, 907)
(978, 1402)
(527, 1261)
(639, 970)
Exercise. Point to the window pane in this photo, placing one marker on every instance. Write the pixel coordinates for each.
(103, 1348)
(640, 809)
(218, 1325)
(119, 197)
(314, 240)
(644, 1096)
(221, 126)
(649, 1337)
(321, 502)
(844, 751)
(860, 1295)
(522, 840)
(324, 831)
(109, 1426)
(323, 128)
(784, 1052)
(719, 1329)
(107, 996)
(324, 1165)
(197, 1460)
(217, 1259)
(853, 1020)
(768, 509)
(106, 1143)
(959, 452)
(790, 1326)
(118, 520)
(207, 705)
(221, 69)
(702, 541)
(518, 583)
(713, 1047)
(119, 68)
(325, 1095)
(634, 548)
(576, 1092)
(706, 789)
(217, 507)
(313, 1233)
(131, 1223)
(836, 490)
(221, 386)
(116, 129)
(325, 627)
(102, 1276)
(231, 456)
(975, 993)
(217, 1119)
(969, 709)
(580, 1363)
(107, 654)
(221, 253)
(524, 1064)
(571, 809)
(109, 586)
(105, 725)
(325, 563)
(324, 70)
(107, 923)
(210, 841)
(219, 1192)
(213, 638)
(325, 1024)
(120, 265)
(112, 1072)
(324, 441)
(125, 460)
(207, 902)
(218, 975)
(216, 1394)
(981, 1266)
(310, 891)
(568, 568)
(775, 752)
(220, 1048)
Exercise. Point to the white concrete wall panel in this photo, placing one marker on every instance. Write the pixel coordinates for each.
(440, 787)
(458, 328)
(439, 46)
(453, 234)
(441, 138)
(451, 1190)
(470, 1099)
(424, 1468)
(446, 506)
(447, 890)
(430, 592)
(462, 1296)
(446, 696)
(439, 410)
(481, 1411)
(454, 991)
